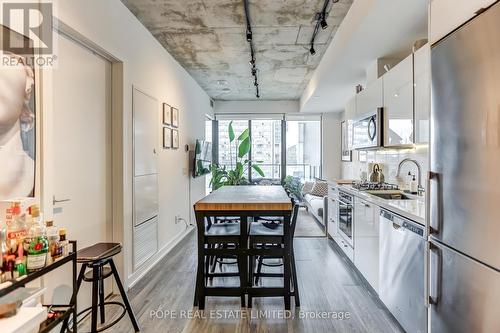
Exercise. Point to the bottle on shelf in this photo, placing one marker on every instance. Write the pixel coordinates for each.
(63, 242)
(53, 239)
(37, 250)
(33, 219)
(16, 231)
(4, 252)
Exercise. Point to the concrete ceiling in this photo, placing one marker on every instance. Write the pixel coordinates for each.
(207, 37)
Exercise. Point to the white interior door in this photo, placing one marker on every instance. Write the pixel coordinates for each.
(82, 147)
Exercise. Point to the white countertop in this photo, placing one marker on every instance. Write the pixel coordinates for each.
(412, 209)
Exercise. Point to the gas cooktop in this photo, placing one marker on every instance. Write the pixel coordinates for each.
(369, 186)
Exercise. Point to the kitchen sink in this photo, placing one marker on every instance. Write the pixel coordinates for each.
(390, 195)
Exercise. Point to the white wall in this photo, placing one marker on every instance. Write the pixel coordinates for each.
(256, 106)
(146, 64)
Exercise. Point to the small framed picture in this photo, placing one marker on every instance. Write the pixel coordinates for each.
(167, 114)
(175, 139)
(175, 117)
(167, 138)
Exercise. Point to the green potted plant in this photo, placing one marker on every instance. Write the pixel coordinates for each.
(222, 176)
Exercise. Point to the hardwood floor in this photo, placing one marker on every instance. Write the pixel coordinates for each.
(328, 285)
(307, 226)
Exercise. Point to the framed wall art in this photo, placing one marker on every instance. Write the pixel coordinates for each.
(175, 139)
(175, 117)
(167, 138)
(167, 114)
(17, 118)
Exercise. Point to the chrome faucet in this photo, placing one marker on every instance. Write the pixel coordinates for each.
(420, 188)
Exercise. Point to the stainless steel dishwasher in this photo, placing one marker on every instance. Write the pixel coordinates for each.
(402, 270)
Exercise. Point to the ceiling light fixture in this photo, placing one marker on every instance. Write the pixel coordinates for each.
(320, 19)
(252, 50)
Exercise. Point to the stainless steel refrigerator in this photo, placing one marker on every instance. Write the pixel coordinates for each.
(464, 189)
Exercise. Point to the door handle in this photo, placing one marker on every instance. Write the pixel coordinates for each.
(436, 273)
(54, 201)
(427, 256)
(433, 228)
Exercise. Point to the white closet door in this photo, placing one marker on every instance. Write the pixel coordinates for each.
(145, 133)
(82, 154)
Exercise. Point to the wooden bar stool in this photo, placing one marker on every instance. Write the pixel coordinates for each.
(98, 258)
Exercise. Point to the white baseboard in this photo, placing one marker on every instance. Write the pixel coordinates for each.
(135, 277)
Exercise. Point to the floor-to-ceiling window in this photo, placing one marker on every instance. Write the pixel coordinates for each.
(228, 150)
(266, 149)
(303, 147)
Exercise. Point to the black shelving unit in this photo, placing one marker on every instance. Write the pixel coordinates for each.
(65, 311)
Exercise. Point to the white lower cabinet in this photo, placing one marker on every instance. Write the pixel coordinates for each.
(366, 238)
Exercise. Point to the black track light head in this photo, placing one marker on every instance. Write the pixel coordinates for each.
(249, 35)
(323, 23)
(312, 50)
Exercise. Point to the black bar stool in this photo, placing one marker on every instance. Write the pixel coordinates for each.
(98, 258)
(263, 238)
(221, 240)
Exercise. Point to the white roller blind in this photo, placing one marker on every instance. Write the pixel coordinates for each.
(303, 117)
(249, 116)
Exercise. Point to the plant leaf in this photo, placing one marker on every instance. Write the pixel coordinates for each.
(244, 147)
(244, 135)
(231, 132)
(258, 169)
(239, 169)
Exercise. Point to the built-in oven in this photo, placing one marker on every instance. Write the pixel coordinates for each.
(367, 131)
(345, 217)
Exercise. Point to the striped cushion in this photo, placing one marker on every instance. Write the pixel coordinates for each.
(320, 188)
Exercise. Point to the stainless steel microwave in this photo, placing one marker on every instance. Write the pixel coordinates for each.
(367, 131)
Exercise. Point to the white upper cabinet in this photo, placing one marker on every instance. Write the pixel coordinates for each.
(370, 99)
(447, 15)
(398, 104)
(422, 74)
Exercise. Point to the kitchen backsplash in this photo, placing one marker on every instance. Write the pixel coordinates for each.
(389, 161)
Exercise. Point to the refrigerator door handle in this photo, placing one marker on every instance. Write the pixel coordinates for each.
(427, 255)
(433, 228)
(436, 273)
